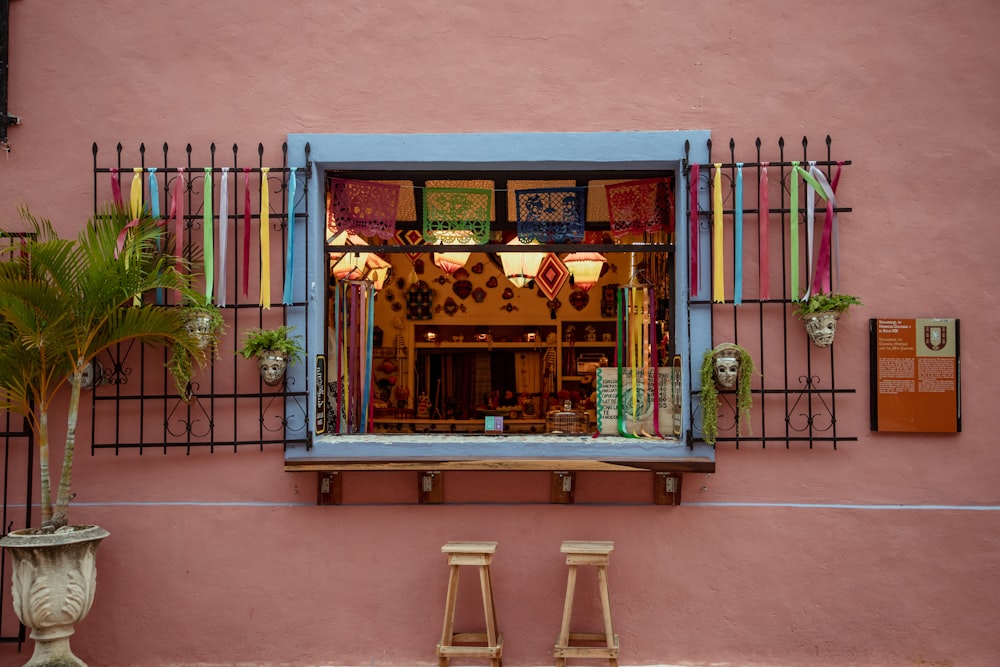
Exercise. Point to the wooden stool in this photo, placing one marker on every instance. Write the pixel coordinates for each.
(587, 553)
(480, 554)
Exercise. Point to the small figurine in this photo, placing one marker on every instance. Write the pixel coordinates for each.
(423, 406)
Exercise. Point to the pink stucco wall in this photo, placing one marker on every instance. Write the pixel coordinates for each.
(883, 553)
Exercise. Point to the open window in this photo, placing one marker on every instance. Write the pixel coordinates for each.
(462, 358)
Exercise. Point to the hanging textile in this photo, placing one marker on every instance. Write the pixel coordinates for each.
(637, 362)
(457, 215)
(353, 318)
(364, 207)
(223, 234)
(693, 177)
(738, 237)
(641, 206)
(116, 189)
(286, 295)
(135, 194)
(763, 222)
(718, 273)
(793, 232)
(177, 214)
(154, 194)
(265, 240)
(551, 215)
(246, 231)
(208, 236)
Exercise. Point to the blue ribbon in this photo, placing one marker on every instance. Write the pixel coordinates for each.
(286, 297)
(154, 194)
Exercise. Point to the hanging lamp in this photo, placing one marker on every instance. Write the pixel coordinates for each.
(521, 267)
(585, 268)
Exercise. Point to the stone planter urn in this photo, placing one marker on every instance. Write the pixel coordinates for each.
(53, 578)
(272, 366)
(821, 327)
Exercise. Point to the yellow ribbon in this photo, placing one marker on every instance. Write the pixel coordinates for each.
(265, 242)
(718, 278)
(135, 195)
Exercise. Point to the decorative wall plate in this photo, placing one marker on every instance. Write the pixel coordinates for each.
(462, 289)
(579, 299)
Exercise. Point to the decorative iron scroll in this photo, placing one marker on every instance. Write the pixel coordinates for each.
(640, 206)
(457, 215)
(363, 207)
(551, 215)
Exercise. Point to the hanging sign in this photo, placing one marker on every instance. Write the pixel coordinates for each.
(320, 394)
(915, 375)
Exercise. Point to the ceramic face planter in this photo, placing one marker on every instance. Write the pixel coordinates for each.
(727, 369)
(272, 366)
(821, 328)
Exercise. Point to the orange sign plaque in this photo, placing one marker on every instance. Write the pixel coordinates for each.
(915, 375)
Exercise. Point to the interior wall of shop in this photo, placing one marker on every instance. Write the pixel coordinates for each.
(885, 552)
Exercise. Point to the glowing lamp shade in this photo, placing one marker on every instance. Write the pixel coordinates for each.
(521, 267)
(585, 267)
(452, 261)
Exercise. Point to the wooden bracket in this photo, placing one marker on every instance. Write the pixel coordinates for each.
(667, 488)
(329, 489)
(430, 487)
(563, 487)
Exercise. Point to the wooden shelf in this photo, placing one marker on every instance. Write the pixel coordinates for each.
(476, 345)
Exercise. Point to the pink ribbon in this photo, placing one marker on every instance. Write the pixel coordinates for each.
(116, 188)
(821, 279)
(763, 220)
(246, 231)
(120, 244)
(693, 213)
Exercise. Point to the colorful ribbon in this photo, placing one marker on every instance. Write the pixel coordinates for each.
(793, 231)
(177, 213)
(738, 237)
(718, 286)
(154, 194)
(223, 234)
(135, 193)
(763, 222)
(286, 296)
(116, 189)
(693, 177)
(818, 183)
(265, 241)
(208, 237)
(246, 231)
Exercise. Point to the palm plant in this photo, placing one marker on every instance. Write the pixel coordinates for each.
(63, 302)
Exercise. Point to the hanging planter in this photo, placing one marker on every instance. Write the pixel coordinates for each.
(820, 313)
(204, 323)
(273, 349)
(727, 367)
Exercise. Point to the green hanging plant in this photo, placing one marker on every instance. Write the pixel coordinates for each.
(710, 391)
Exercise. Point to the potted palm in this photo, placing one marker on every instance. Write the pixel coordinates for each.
(62, 303)
(274, 349)
(820, 313)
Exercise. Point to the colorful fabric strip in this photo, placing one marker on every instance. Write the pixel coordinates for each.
(135, 193)
(177, 213)
(810, 218)
(208, 237)
(286, 295)
(265, 240)
(738, 237)
(718, 273)
(693, 177)
(763, 223)
(223, 234)
(246, 231)
(154, 194)
(116, 189)
(793, 230)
